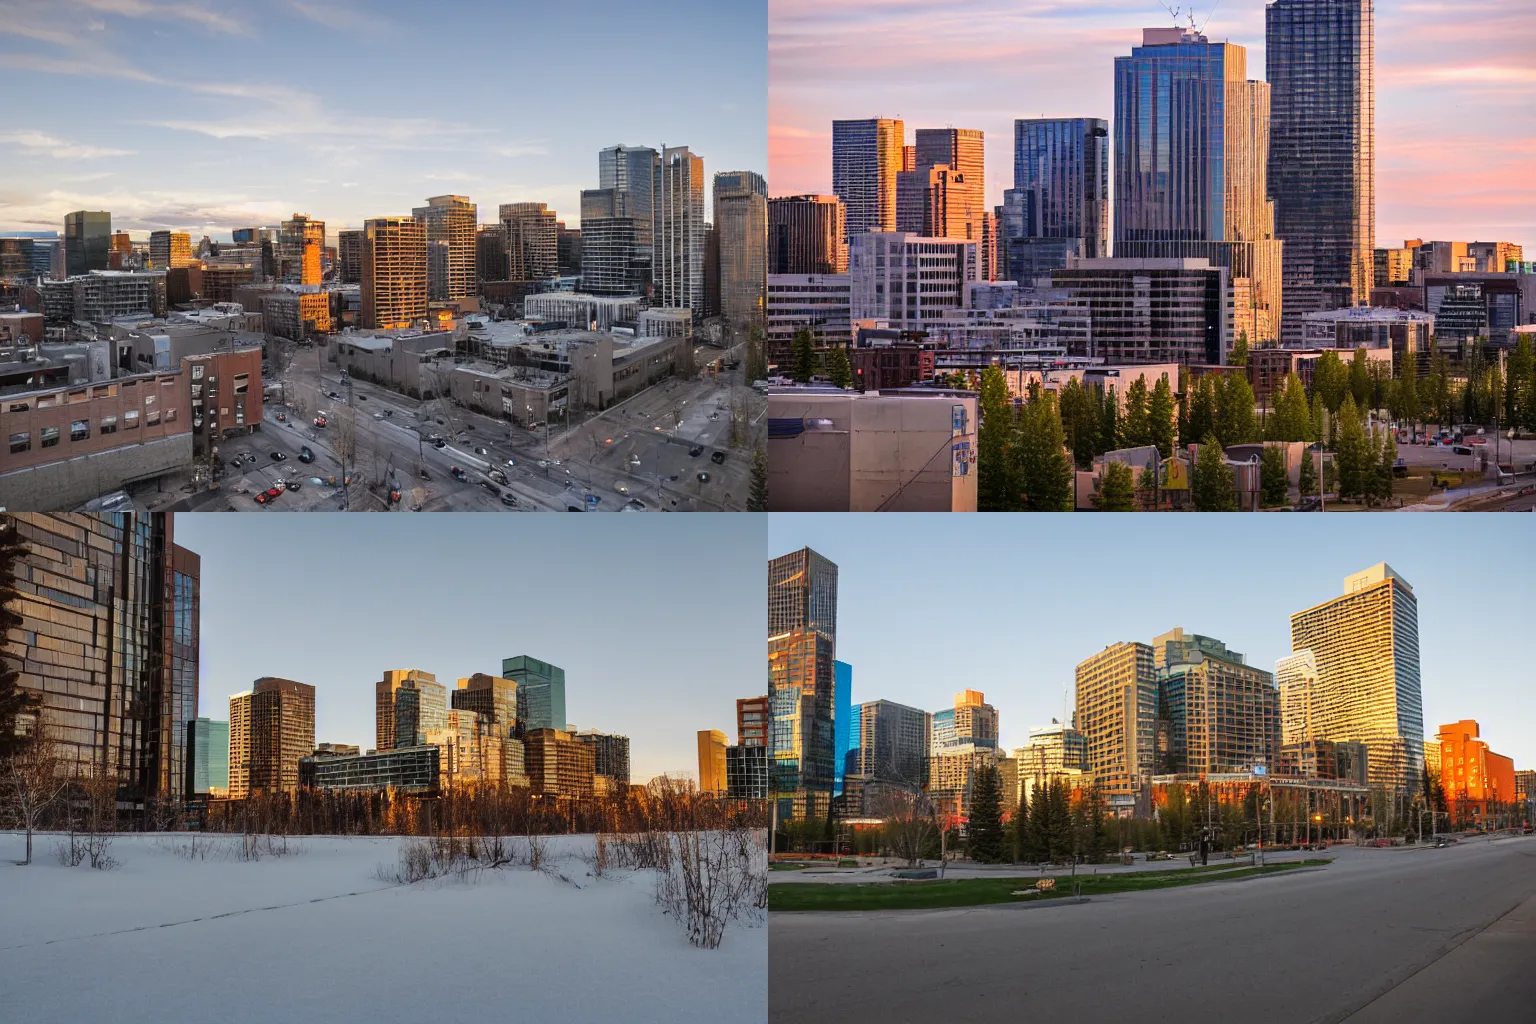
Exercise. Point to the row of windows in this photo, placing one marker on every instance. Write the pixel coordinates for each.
(80, 430)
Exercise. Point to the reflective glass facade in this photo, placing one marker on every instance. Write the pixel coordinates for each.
(800, 692)
(1116, 713)
(844, 726)
(540, 692)
(802, 594)
(1060, 191)
(866, 157)
(1321, 65)
(892, 743)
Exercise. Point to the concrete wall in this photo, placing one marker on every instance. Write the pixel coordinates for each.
(72, 482)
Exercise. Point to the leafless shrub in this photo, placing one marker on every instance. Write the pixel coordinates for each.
(537, 847)
(34, 780)
(445, 854)
(719, 876)
(195, 847)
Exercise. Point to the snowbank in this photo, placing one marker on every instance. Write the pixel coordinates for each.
(316, 934)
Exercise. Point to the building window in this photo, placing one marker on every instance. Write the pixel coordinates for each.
(80, 430)
(131, 419)
(21, 442)
(170, 415)
(152, 417)
(109, 424)
(50, 437)
(242, 383)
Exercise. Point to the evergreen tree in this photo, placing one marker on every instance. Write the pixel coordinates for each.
(1274, 482)
(1060, 832)
(1384, 474)
(1306, 477)
(1018, 829)
(1330, 380)
(997, 485)
(839, 373)
(1521, 400)
(757, 499)
(756, 358)
(1134, 429)
(1360, 380)
(1044, 471)
(1202, 411)
(1116, 493)
(803, 353)
(1080, 419)
(1291, 421)
(1160, 417)
(1037, 846)
(1405, 406)
(1318, 415)
(1147, 487)
(985, 843)
(1355, 455)
(1234, 410)
(15, 702)
(1239, 354)
(1214, 485)
(1438, 386)
(1109, 428)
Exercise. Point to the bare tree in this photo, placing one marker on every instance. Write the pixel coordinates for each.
(910, 824)
(35, 780)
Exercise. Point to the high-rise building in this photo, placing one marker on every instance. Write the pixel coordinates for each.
(1152, 310)
(741, 225)
(613, 260)
(490, 253)
(408, 703)
(1116, 711)
(746, 772)
(866, 157)
(752, 721)
(1366, 645)
(969, 726)
(540, 692)
(488, 695)
(1052, 750)
(800, 687)
(108, 642)
(299, 245)
(170, 249)
(844, 728)
(1320, 58)
(1059, 203)
(1191, 145)
(271, 726)
(1479, 784)
(634, 171)
(712, 761)
(933, 201)
(802, 594)
(558, 764)
(87, 241)
(394, 292)
(963, 207)
(1296, 676)
(567, 249)
(207, 758)
(610, 754)
(908, 279)
(892, 744)
(1224, 713)
(450, 221)
(679, 230)
(349, 256)
(807, 235)
(531, 240)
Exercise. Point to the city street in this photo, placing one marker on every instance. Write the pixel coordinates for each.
(636, 453)
(1408, 933)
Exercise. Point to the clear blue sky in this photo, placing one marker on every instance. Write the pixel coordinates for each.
(931, 605)
(203, 115)
(657, 620)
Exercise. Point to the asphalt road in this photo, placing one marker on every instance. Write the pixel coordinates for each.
(1379, 935)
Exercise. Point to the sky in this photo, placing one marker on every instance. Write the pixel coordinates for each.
(1009, 605)
(657, 620)
(1455, 90)
(204, 115)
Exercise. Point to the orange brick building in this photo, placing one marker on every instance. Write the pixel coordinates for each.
(1479, 784)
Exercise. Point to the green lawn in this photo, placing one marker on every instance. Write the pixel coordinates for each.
(972, 892)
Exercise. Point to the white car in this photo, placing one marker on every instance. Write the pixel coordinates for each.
(621, 488)
(511, 462)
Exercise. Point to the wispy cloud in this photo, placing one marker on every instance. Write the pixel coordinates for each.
(35, 143)
(341, 17)
(197, 13)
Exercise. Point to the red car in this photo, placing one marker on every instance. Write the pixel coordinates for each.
(319, 421)
(268, 495)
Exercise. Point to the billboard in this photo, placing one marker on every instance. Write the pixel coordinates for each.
(1175, 475)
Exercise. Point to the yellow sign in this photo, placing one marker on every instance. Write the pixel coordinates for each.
(1175, 475)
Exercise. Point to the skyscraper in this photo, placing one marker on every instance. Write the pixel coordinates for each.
(1117, 714)
(712, 762)
(969, 726)
(1224, 713)
(1296, 676)
(408, 703)
(752, 721)
(540, 692)
(802, 593)
(207, 758)
(610, 754)
(807, 235)
(488, 695)
(349, 256)
(961, 150)
(866, 157)
(892, 743)
(271, 726)
(169, 249)
(299, 245)
(1060, 194)
(108, 642)
(679, 230)
(1366, 645)
(1320, 57)
(394, 292)
(1191, 143)
(844, 727)
(741, 223)
(532, 241)
(87, 240)
(450, 220)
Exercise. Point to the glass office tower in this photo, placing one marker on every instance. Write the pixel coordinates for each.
(1059, 203)
(540, 692)
(866, 157)
(801, 695)
(802, 593)
(87, 241)
(844, 726)
(1320, 58)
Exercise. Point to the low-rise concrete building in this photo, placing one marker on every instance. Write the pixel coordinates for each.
(907, 450)
(580, 310)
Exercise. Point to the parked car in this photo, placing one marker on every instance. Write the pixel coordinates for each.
(1461, 449)
(319, 421)
(508, 500)
(294, 485)
(695, 451)
(703, 478)
(438, 442)
(279, 457)
(306, 454)
(621, 488)
(480, 450)
(498, 476)
(457, 473)
(237, 462)
(251, 458)
(717, 458)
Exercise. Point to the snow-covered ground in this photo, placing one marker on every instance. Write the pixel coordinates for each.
(316, 935)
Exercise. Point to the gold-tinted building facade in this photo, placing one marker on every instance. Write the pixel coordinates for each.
(711, 761)
(394, 292)
(299, 245)
(1117, 715)
(272, 725)
(450, 220)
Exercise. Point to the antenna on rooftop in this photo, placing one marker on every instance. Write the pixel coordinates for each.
(1173, 11)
